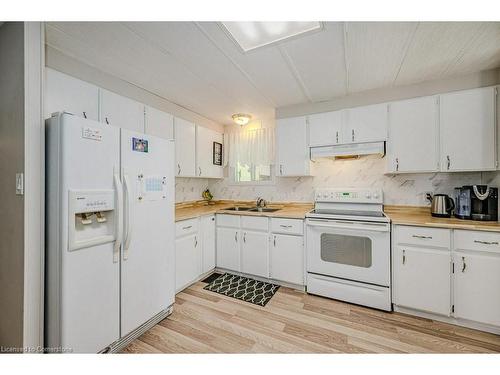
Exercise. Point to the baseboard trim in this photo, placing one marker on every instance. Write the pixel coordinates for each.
(449, 319)
(122, 343)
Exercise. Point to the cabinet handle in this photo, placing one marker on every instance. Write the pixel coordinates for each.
(337, 136)
(397, 164)
(84, 114)
(424, 237)
(463, 264)
(448, 160)
(107, 121)
(285, 226)
(245, 237)
(178, 168)
(274, 241)
(281, 169)
(404, 256)
(213, 219)
(189, 226)
(195, 241)
(199, 169)
(486, 242)
(236, 236)
(353, 135)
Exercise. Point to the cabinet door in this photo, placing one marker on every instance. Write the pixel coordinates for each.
(422, 279)
(187, 260)
(66, 93)
(365, 124)
(158, 123)
(413, 135)
(293, 151)
(254, 253)
(208, 243)
(228, 248)
(325, 129)
(205, 139)
(476, 287)
(122, 112)
(185, 147)
(287, 258)
(467, 130)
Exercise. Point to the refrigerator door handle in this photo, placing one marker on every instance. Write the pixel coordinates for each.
(119, 217)
(128, 227)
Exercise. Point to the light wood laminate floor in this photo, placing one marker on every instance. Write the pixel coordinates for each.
(295, 322)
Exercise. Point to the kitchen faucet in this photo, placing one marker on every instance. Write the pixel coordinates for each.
(260, 202)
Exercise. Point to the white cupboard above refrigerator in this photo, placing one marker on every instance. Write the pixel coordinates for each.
(69, 94)
(158, 123)
(120, 111)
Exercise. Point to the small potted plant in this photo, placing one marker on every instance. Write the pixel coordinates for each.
(207, 196)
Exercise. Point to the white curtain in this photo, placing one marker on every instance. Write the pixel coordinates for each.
(251, 147)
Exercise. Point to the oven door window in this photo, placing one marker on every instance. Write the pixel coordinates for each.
(346, 249)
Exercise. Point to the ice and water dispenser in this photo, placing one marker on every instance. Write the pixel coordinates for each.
(92, 218)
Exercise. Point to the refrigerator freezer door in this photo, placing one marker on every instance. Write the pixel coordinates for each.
(147, 276)
(82, 282)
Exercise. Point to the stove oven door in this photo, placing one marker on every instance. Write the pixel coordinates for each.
(358, 251)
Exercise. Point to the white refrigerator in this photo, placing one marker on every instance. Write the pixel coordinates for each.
(109, 234)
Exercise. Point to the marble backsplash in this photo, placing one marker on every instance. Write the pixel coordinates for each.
(189, 189)
(402, 189)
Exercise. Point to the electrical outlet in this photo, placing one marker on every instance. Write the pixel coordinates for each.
(426, 196)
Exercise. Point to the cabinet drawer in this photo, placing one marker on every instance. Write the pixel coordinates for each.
(232, 221)
(255, 223)
(288, 226)
(423, 236)
(185, 227)
(476, 240)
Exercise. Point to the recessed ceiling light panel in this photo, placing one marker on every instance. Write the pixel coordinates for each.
(252, 35)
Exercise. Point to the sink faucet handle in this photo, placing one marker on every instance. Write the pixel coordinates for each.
(260, 202)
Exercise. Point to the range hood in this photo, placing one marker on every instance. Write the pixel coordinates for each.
(348, 150)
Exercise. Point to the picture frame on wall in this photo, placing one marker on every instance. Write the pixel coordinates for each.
(217, 153)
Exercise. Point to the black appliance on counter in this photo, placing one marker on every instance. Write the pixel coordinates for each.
(476, 202)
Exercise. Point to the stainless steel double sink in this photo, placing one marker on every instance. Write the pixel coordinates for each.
(252, 209)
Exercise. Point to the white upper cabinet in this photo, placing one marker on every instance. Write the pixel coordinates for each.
(205, 139)
(365, 124)
(325, 129)
(66, 93)
(158, 123)
(293, 151)
(467, 130)
(185, 148)
(122, 112)
(413, 136)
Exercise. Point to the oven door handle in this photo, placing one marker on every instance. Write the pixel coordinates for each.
(338, 225)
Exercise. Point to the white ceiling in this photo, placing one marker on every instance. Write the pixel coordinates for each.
(196, 64)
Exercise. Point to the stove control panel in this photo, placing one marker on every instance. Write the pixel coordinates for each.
(349, 195)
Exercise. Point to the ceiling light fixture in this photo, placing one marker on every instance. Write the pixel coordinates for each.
(252, 35)
(241, 118)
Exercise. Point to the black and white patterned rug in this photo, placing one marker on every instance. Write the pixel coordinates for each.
(243, 288)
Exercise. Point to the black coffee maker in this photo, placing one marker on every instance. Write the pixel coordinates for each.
(484, 202)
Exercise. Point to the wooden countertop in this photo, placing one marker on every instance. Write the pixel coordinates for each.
(421, 216)
(190, 210)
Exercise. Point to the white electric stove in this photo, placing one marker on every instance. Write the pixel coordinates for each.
(348, 247)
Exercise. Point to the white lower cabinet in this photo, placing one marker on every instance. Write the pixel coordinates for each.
(287, 258)
(260, 246)
(462, 281)
(254, 253)
(477, 288)
(228, 248)
(207, 225)
(422, 279)
(187, 260)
